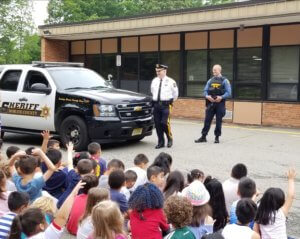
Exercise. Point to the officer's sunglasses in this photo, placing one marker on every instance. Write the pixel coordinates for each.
(157, 71)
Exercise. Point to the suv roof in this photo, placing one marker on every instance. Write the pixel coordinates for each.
(44, 64)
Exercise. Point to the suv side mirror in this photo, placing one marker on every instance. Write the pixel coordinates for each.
(40, 88)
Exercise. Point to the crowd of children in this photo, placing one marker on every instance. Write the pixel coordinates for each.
(41, 196)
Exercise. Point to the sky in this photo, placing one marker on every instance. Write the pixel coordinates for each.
(39, 11)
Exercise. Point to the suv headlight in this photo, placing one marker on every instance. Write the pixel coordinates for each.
(104, 110)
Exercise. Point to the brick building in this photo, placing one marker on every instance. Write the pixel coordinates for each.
(256, 42)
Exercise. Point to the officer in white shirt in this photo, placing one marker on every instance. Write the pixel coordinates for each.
(164, 91)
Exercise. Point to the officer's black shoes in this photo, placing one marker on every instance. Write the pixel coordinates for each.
(159, 146)
(170, 143)
(217, 140)
(202, 139)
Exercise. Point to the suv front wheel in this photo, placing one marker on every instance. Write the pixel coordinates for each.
(74, 129)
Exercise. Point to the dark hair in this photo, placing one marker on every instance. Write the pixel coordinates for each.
(238, 171)
(90, 181)
(195, 174)
(54, 155)
(217, 203)
(199, 215)
(2, 184)
(29, 150)
(79, 156)
(153, 170)
(215, 235)
(84, 166)
(246, 187)
(16, 200)
(140, 158)
(51, 143)
(146, 196)
(246, 210)
(28, 164)
(179, 211)
(26, 223)
(93, 148)
(164, 161)
(174, 183)
(11, 150)
(271, 201)
(116, 179)
(115, 163)
(130, 175)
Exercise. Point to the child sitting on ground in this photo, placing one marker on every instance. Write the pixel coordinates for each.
(116, 181)
(156, 176)
(195, 174)
(147, 219)
(95, 151)
(48, 207)
(112, 165)
(85, 226)
(79, 205)
(10, 151)
(25, 182)
(245, 212)
(49, 143)
(57, 183)
(179, 212)
(17, 203)
(140, 165)
(108, 221)
(273, 210)
(130, 179)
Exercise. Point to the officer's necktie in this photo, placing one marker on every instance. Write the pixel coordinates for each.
(159, 90)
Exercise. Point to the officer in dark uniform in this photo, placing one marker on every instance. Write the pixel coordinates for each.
(164, 91)
(216, 91)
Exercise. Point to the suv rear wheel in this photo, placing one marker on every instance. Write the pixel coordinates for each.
(74, 129)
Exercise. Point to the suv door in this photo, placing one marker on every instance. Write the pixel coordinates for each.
(8, 86)
(38, 106)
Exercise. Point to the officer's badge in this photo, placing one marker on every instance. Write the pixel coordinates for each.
(45, 111)
(216, 85)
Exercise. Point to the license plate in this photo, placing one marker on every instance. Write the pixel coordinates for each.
(137, 131)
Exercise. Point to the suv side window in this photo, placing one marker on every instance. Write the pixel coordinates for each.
(32, 78)
(10, 80)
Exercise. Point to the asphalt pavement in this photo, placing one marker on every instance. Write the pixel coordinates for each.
(268, 152)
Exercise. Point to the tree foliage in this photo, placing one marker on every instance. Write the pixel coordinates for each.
(82, 10)
(18, 43)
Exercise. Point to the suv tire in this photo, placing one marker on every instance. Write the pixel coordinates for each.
(74, 129)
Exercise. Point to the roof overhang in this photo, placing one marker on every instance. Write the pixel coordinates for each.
(250, 14)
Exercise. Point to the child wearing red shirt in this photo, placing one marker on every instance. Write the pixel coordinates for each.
(147, 219)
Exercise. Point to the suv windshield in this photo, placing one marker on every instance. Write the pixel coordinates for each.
(77, 78)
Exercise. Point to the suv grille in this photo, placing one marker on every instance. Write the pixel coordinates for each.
(132, 111)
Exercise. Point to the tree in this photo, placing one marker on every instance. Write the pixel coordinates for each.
(18, 43)
(82, 10)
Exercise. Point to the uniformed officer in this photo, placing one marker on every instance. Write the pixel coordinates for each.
(216, 91)
(164, 91)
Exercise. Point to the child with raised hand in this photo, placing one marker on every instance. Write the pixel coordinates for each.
(108, 221)
(10, 151)
(17, 203)
(85, 226)
(245, 211)
(80, 201)
(179, 212)
(147, 219)
(32, 221)
(273, 210)
(49, 143)
(25, 182)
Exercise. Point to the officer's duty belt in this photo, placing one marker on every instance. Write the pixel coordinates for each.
(163, 102)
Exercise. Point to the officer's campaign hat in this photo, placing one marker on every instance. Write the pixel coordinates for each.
(161, 66)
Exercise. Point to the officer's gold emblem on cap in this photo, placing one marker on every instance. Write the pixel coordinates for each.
(161, 66)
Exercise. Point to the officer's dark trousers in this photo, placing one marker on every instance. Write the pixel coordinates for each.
(162, 121)
(213, 109)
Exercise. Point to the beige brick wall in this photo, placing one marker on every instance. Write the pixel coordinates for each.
(273, 114)
(281, 114)
(54, 50)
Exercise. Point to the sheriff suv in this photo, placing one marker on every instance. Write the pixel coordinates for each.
(71, 101)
